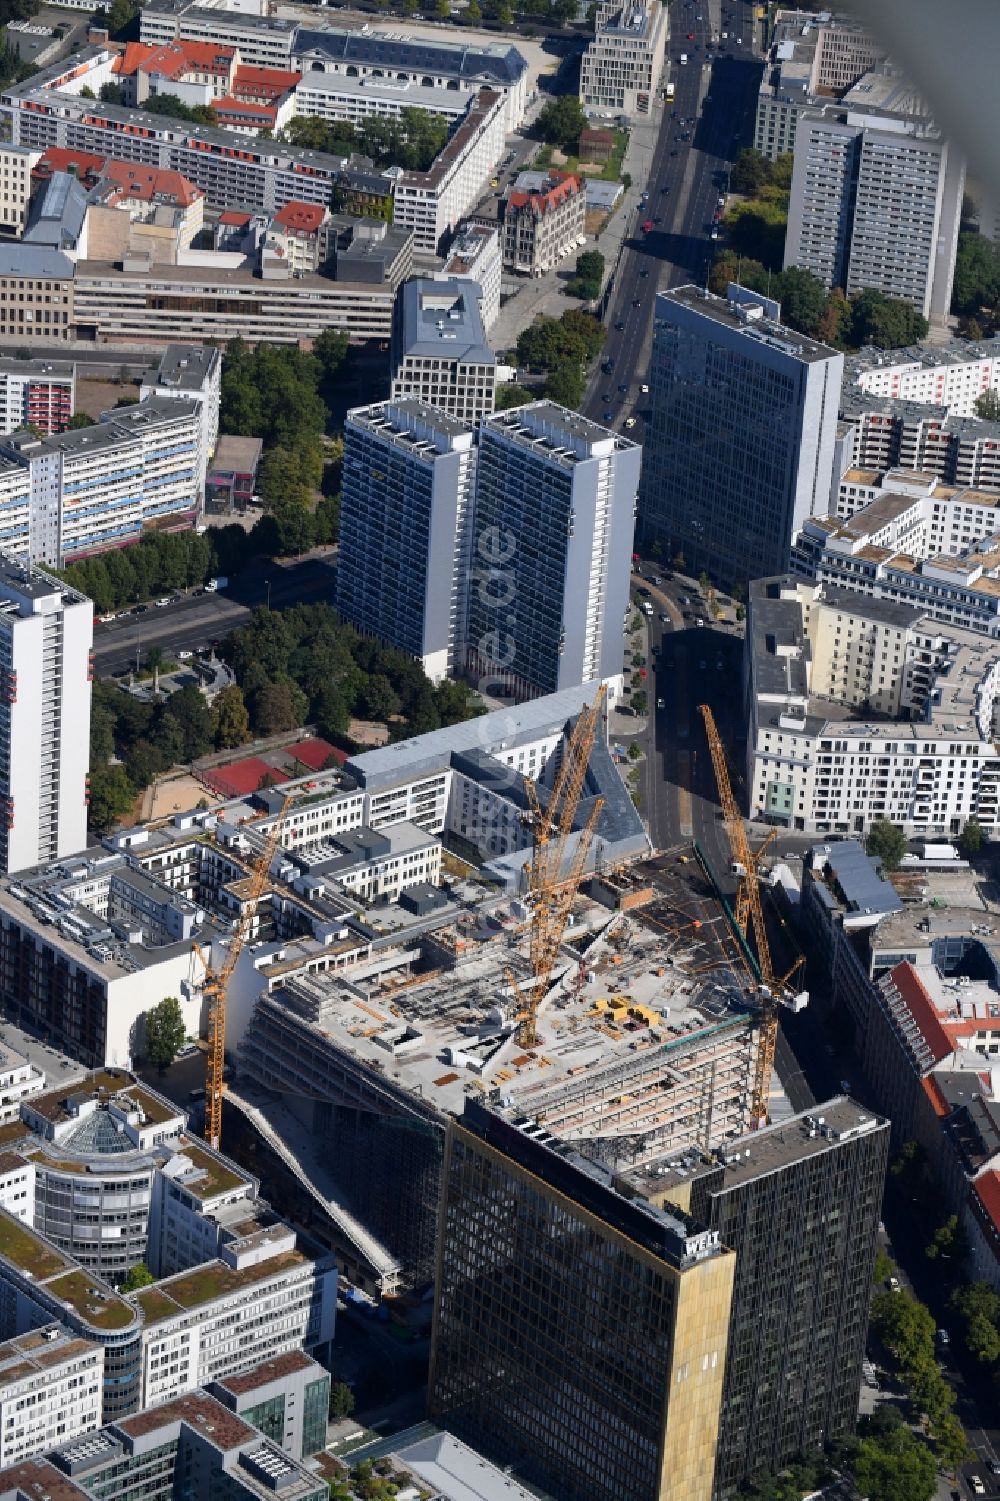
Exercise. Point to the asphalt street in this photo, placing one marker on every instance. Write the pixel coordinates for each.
(716, 105)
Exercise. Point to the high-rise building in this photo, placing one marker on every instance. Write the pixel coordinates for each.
(439, 351)
(876, 202)
(578, 1335)
(799, 1203)
(551, 549)
(46, 632)
(740, 442)
(621, 67)
(409, 473)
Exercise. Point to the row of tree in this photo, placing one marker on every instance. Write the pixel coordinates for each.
(976, 290)
(412, 141)
(589, 277)
(562, 349)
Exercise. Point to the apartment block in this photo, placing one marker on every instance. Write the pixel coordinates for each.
(36, 393)
(881, 432)
(739, 446)
(799, 1204)
(819, 661)
(287, 1398)
(409, 480)
(621, 67)
(552, 540)
(474, 255)
(812, 58)
(97, 487)
(433, 203)
(19, 1080)
(46, 630)
(50, 1391)
(954, 377)
(16, 166)
(876, 202)
(36, 294)
(517, 1304)
(539, 228)
(190, 372)
(439, 355)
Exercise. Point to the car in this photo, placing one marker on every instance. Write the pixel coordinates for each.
(609, 416)
(657, 580)
(682, 599)
(690, 36)
(674, 152)
(661, 703)
(894, 1285)
(715, 233)
(607, 396)
(619, 325)
(494, 182)
(845, 1086)
(187, 1051)
(644, 272)
(162, 603)
(977, 1485)
(140, 609)
(699, 622)
(184, 656)
(722, 200)
(637, 302)
(943, 1337)
(718, 664)
(630, 422)
(994, 1465)
(664, 619)
(657, 218)
(623, 386)
(665, 188)
(644, 389)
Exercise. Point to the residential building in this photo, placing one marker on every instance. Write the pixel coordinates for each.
(859, 709)
(36, 294)
(621, 67)
(46, 630)
(812, 58)
(954, 377)
(539, 229)
(433, 203)
(406, 510)
(649, 1302)
(39, 393)
(551, 608)
(19, 1080)
(881, 432)
(740, 440)
(190, 372)
(799, 1203)
(286, 1397)
(876, 202)
(16, 166)
(50, 1391)
(292, 245)
(97, 487)
(474, 255)
(190, 1443)
(439, 355)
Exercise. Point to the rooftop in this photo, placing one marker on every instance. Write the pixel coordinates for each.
(739, 318)
(554, 432)
(269, 1371)
(441, 320)
(178, 1295)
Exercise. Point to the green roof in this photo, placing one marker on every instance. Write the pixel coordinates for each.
(217, 1179)
(101, 1312)
(155, 1305)
(212, 1280)
(30, 1254)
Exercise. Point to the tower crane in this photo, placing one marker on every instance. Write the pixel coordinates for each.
(551, 887)
(749, 914)
(216, 983)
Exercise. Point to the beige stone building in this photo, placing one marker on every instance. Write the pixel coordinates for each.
(16, 166)
(622, 66)
(541, 227)
(36, 293)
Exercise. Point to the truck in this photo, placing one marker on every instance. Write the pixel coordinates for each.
(646, 607)
(671, 90)
(214, 585)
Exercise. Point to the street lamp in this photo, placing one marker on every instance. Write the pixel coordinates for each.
(268, 584)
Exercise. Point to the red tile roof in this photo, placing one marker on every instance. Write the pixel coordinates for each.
(83, 164)
(148, 183)
(303, 218)
(174, 59)
(922, 1009)
(243, 109)
(263, 83)
(234, 216)
(932, 1090)
(564, 187)
(988, 1192)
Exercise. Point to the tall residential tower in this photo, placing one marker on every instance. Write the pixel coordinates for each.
(403, 569)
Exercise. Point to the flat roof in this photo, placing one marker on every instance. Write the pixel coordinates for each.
(762, 330)
(441, 320)
(177, 1295)
(860, 883)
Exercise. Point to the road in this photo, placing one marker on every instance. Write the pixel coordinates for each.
(196, 621)
(679, 249)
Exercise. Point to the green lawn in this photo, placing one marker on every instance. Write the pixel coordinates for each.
(609, 173)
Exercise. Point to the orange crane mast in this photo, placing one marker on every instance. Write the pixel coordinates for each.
(216, 983)
(749, 914)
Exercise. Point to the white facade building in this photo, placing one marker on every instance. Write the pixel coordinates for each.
(954, 378)
(474, 255)
(335, 96)
(621, 67)
(191, 372)
(97, 487)
(46, 631)
(819, 661)
(39, 392)
(432, 203)
(16, 166)
(439, 353)
(50, 1391)
(19, 1080)
(552, 600)
(409, 477)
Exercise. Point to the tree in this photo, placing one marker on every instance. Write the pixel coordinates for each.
(188, 709)
(111, 93)
(230, 720)
(896, 1467)
(904, 1326)
(512, 395)
(977, 274)
(165, 1032)
(79, 419)
(276, 709)
(886, 322)
(948, 1241)
(136, 1277)
(950, 1442)
(886, 842)
(803, 300)
(566, 385)
(561, 121)
(341, 1400)
(750, 172)
(111, 796)
(379, 699)
(473, 12)
(987, 406)
(589, 276)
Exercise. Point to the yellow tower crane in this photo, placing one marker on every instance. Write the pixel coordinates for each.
(749, 914)
(553, 880)
(216, 982)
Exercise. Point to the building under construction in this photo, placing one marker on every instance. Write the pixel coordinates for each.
(646, 1044)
